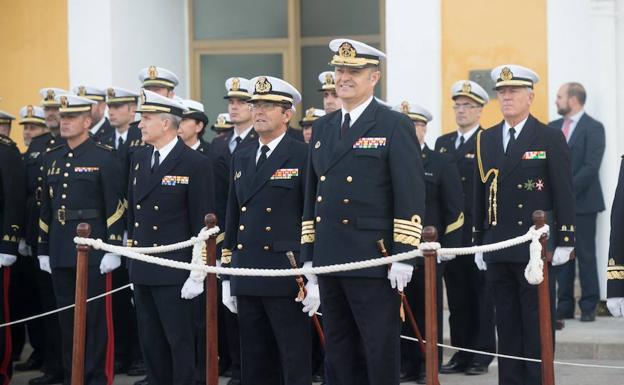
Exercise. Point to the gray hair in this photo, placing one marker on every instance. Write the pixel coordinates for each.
(174, 119)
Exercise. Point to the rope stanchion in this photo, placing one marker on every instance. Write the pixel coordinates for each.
(80, 313)
(212, 369)
(430, 234)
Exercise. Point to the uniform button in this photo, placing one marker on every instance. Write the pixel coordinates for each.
(566, 239)
(268, 209)
(319, 198)
(64, 185)
(154, 227)
(67, 165)
(520, 205)
(239, 246)
(323, 178)
(519, 187)
(243, 209)
(136, 243)
(349, 179)
(318, 219)
(138, 207)
(346, 201)
(345, 221)
(66, 175)
(155, 244)
(267, 229)
(241, 227)
(463, 178)
(136, 224)
(71, 154)
(39, 178)
(41, 168)
(63, 196)
(38, 203)
(156, 208)
(63, 206)
(519, 223)
(266, 247)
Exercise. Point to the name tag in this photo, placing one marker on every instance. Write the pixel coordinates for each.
(85, 169)
(285, 173)
(534, 155)
(370, 143)
(172, 180)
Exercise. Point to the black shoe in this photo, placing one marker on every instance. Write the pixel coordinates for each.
(564, 315)
(30, 364)
(452, 367)
(141, 382)
(136, 369)
(422, 378)
(47, 379)
(588, 317)
(476, 370)
(317, 377)
(408, 377)
(121, 367)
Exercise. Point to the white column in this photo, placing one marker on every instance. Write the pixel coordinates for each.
(413, 46)
(111, 40)
(582, 47)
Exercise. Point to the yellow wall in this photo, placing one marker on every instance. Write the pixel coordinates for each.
(481, 34)
(33, 42)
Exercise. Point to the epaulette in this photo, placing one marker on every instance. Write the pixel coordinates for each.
(55, 147)
(104, 146)
(6, 141)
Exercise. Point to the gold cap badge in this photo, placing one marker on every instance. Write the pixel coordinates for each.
(329, 79)
(220, 120)
(263, 85)
(64, 101)
(82, 91)
(346, 51)
(506, 74)
(29, 111)
(50, 95)
(405, 107)
(466, 87)
(110, 92)
(310, 112)
(152, 72)
(235, 84)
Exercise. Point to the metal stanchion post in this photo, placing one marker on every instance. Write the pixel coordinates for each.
(430, 234)
(80, 312)
(212, 371)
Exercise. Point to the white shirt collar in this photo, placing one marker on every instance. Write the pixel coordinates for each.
(97, 126)
(242, 135)
(123, 135)
(196, 145)
(518, 127)
(272, 145)
(576, 117)
(355, 113)
(165, 150)
(468, 134)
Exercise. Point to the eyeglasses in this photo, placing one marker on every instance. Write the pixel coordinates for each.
(264, 106)
(464, 106)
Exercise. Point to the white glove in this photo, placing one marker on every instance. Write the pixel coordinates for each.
(310, 277)
(23, 248)
(478, 259)
(228, 300)
(312, 300)
(109, 263)
(192, 288)
(400, 274)
(616, 306)
(44, 263)
(561, 255)
(7, 259)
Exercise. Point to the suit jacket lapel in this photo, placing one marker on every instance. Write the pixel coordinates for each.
(526, 137)
(278, 157)
(468, 146)
(364, 123)
(155, 179)
(327, 142)
(578, 130)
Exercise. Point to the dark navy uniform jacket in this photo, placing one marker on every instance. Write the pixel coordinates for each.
(12, 195)
(167, 206)
(443, 201)
(615, 269)
(264, 216)
(33, 162)
(535, 175)
(125, 153)
(587, 146)
(222, 159)
(80, 185)
(105, 130)
(464, 158)
(364, 187)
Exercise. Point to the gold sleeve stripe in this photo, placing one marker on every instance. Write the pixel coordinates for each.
(307, 238)
(408, 232)
(129, 243)
(615, 268)
(405, 239)
(615, 275)
(308, 231)
(455, 225)
(226, 255)
(43, 226)
(220, 238)
(415, 222)
(116, 215)
(409, 228)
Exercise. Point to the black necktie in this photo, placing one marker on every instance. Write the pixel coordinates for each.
(345, 125)
(156, 160)
(119, 142)
(461, 141)
(263, 156)
(238, 139)
(512, 139)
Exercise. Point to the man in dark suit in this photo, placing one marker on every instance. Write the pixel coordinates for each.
(365, 183)
(12, 202)
(170, 193)
(522, 166)
(470, 302)
(101, 126)
(615, 268)
(586, 139)
(265, 205)
(444, 210)
(81, 185)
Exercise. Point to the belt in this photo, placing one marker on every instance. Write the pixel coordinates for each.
(63, 215)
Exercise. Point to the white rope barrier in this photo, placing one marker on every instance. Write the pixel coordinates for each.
(19, 321)
(533, 272)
